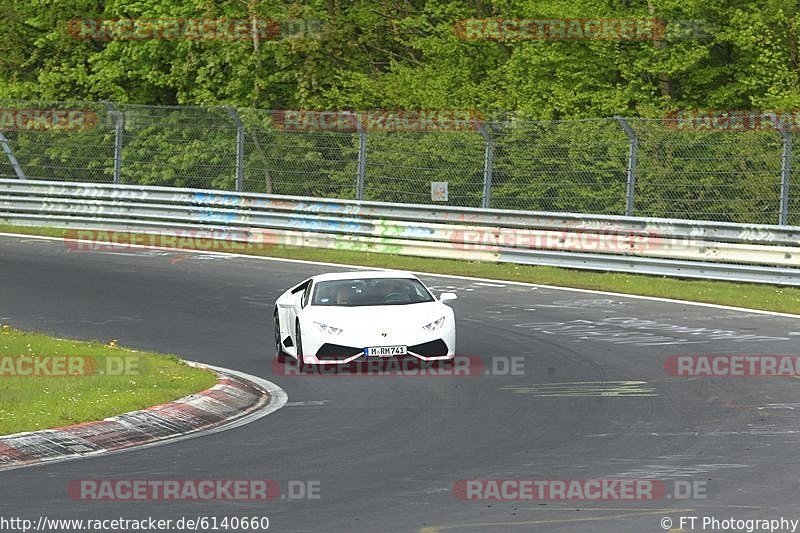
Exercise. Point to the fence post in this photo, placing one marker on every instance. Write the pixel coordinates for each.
(786, 169)
(362, 164)
(239, 147)
(12, 158)
(361, 174)
(633, 154)
(488, 164)
(119, 130)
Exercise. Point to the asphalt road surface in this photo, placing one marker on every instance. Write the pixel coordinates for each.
(572, 387)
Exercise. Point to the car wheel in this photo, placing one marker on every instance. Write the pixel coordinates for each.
(280, 355)
(301, 365)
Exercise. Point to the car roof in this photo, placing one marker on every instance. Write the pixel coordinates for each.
(363, 274)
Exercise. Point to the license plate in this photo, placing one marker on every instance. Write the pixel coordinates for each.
(386, 351)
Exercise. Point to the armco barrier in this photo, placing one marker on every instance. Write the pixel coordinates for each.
(694, 249)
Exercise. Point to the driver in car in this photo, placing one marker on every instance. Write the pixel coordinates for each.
(396, 292)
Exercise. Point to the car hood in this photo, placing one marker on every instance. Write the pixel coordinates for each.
(400, 315)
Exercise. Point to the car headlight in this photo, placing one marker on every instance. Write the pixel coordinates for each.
(433, 326)
(325, 328)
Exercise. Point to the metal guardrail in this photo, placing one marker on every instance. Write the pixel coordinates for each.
(671, 247)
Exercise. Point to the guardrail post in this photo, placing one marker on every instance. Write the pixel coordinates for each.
(11, 157)
(488, 164)
(239, 147)
(786, 169)
(633, 154)
(119, 130)
(361, 174)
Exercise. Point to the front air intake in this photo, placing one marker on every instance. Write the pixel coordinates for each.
(335, 352)
(435, 348)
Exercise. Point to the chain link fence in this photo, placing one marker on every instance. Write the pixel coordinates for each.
(710, 175)
(640, 167)
(308, 163)
(569, 166)
(63, 141)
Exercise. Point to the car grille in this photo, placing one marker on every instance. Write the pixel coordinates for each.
(430, 349)
(334, 352)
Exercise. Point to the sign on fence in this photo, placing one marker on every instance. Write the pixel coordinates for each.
(439, 191)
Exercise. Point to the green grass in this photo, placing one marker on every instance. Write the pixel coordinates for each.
(107, 380)
(749, 295)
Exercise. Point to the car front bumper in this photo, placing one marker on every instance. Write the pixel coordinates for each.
(333, 354)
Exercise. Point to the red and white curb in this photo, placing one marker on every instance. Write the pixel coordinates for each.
(237, 399)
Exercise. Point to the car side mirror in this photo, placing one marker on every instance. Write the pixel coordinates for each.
(447, 296)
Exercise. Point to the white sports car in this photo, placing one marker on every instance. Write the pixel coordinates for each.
(337, 318)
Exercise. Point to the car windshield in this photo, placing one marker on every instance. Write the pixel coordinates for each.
(370, 291)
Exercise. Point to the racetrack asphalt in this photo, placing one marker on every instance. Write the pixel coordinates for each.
(387, 451)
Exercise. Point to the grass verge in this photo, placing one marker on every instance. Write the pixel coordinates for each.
(749, 295)
(78, 381)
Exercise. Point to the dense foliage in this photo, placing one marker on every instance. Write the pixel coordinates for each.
(734, 54)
